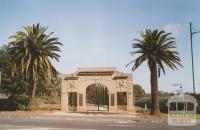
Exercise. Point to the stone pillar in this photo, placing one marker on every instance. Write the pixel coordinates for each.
(78, 102)
(84, 100)
(130, 97)
(130, 105)
(81, 108)
(112, 107)
(116, 101)
(64, 96)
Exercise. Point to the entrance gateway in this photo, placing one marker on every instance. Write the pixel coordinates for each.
(97, 89)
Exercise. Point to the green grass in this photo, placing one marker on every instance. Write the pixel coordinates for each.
(198, 116)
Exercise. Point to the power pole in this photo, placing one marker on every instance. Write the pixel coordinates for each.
(191, 34)
(0, 78)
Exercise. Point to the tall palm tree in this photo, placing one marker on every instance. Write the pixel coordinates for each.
(31, 51)
(157, 48)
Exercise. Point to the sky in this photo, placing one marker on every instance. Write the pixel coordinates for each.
(100, 33)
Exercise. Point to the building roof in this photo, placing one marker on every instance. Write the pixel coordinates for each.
(96, 71)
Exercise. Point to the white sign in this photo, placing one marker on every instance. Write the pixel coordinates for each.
(182, 110)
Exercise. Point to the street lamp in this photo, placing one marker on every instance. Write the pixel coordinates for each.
(191, 34)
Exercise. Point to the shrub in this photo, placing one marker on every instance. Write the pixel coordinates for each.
(8, 105)
(13, 103)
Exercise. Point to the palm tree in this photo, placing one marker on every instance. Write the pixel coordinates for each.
(31, 52)
(157, 48)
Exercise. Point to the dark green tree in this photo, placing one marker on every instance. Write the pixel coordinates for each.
(138, 90)
(31, 52)
(157, 48)
(11, 84)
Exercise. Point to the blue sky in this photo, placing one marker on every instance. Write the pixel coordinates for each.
(99, 33)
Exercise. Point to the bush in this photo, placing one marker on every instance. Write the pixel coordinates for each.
(7, 105)
(13, 103)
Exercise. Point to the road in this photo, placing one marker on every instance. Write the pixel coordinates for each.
(82, 123)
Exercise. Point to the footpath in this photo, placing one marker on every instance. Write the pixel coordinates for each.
(86, 116)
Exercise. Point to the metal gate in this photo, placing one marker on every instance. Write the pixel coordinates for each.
(72, 101)
(97, 95)
(122, 100)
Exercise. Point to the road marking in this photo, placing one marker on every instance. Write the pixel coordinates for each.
(4, 117)
(36, 128)
(121, 122)
(5, 125)
(49, 129)
(119, 125)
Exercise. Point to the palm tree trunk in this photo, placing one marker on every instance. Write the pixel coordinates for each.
(31, 104)
(154, 90)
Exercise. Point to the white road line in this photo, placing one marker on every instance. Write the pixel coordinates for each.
(4, 117)
(5, 125)
(30, 128)
(50, 129)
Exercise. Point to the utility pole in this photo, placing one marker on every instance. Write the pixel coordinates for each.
(0, 78)
(192, 54)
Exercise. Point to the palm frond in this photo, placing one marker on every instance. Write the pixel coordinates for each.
(158, 48)
(31, 49)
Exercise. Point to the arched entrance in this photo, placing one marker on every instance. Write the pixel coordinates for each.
(87, 90)
(97, 98)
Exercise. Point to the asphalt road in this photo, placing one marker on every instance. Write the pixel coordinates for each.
(82, 123)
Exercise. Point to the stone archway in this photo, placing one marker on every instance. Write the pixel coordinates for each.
(97, 97)
(75, 87)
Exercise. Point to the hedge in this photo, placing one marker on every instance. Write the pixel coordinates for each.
(142, 101)
(163, 101)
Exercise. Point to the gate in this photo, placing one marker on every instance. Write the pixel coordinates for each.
(97, 97)
(72, 101)
(122, 100)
